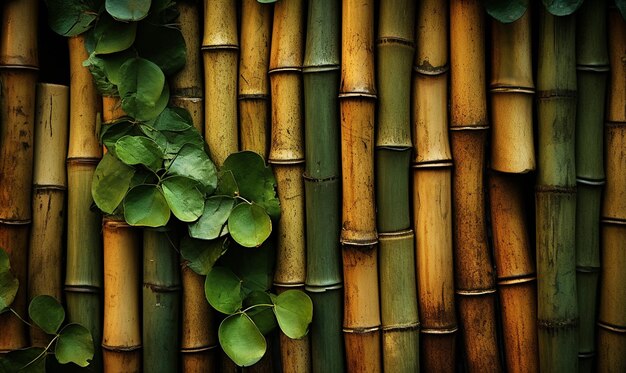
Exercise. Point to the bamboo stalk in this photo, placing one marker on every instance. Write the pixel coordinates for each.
(395, 47)
(161, 302)
(592, 67)
(556, 196)
(256, 27)
(287, 157)
(474, 275)
(121, 334)
(515, 270)
(432, 174)
(220, 48)
(50, 182)
(611, 320)
(18, 39)
(357, 98)
(321, 182)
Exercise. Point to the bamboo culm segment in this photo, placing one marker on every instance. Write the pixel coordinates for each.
(253, 93)
(18, 39)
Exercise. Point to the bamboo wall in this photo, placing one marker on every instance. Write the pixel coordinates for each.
(459, 180)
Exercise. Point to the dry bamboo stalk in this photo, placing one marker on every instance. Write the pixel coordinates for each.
(18, 39)
(256, 24)
(121, 334)
(611, 320)
(50, 183)
(474, 275)
(512, 91)
(220, 48)
(432, 214)
(515, 270)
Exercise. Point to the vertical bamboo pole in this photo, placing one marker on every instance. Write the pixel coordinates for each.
(398, 303)
(357, 100)
(49, 186)
(220, 48)
(256, 27)
(287, 157)
(83, 274)
(161, 302)
(121, 334)
(432, 179)
(475, 280)
(611, 316)
(592, 68)
(556, 196)
(18, 74)
(322, 186)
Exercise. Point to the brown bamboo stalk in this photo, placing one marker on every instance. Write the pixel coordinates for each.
(515, 270)
(611, 317)
(256, 23)
(18, 39)
(474, 275)
(220, 48)
(358, 235)
(50, 182)
(121, 338)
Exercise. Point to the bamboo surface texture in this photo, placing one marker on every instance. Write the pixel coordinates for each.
(432, 183)
(555, 195)
(253, 93)
(592, 64)
(220, 50)
(324, 282)
(474, 275)
(611, 316)
(50, 183)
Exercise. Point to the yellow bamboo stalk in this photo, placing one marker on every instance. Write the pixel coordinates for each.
(220, 48)
(256, 23)
(18, 39)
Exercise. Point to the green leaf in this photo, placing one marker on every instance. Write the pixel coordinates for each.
(142, 88)
(71, 17)
(105, 68)
(134, 150)
(262, 316)
(241, 340)
(75, 345)
(183, 197)
(146, 206)
(110, 183)
(29, 360)
(562, 7)
(255, 180)
(254, 266)
(128, 10)
(222, 289)
(9, 284)
(47, 313)
(621, 5)
(212, 223)
(202, 254)
(506, 11)
(111, 36)
(173, 119)
(111, 132)
(150, 41)
(226, 184)
(5, 261)
(177, 139)
(249, 225)
(194, 163)
(294, 312)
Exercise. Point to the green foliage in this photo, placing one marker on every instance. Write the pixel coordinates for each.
(249, 225)
(562, 7)
(8, 283)
(75, 345)
(47, 313)
(71, 17)
(241, 339)
(621, 5)
(128, 10)
(506, 11)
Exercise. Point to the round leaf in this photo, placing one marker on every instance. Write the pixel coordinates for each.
(47, 313)
(255, 180)
(75, 345)
(142, 89)
(111, 36)
(226, 184)
(146, 206)
(241, 340)
(257, 271)
(506, 11)
(173, 119)
(128, 10)
(212, 223)
(134, 150)
(263, 316)
(28, 360)
(249, 225)
(183, 197)
(223, 290)
(150, 41)
(175, 140)
(110, 183)
(294, 312)
(202, 254)
(194, 163)
(562, 7)
(8, 289)
(70, 17)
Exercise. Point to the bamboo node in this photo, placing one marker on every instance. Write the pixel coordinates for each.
(613, 221)
(594, 68)
(558, 324)
(361, 245)
(121, 348)
(297, 69)
(443, 163)
(364, 330)
(192, 350)
(427, 69)
(38, 187)
(396, 40)
(517, 280)
(469, 127)
(234, 47)
(510, 89)
(347, 95)
(90, 289)
(315, 180)
(320, 68)
(285, 161)
(592, 182)
(612, 328)
(409, 326)
(587, 269)
(614, 124)
(253, 96)
(82, 160)
(298, 284)
(15, 222)
(586, 355)
(323, 289)
(440, 331)
(472, 293)
(396, 235)
(19, 67)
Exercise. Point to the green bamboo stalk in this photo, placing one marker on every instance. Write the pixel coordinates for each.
(556, 196)
(395, 47)
(161, 302)
(592, 69)
(322, 186)
(611, 316)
